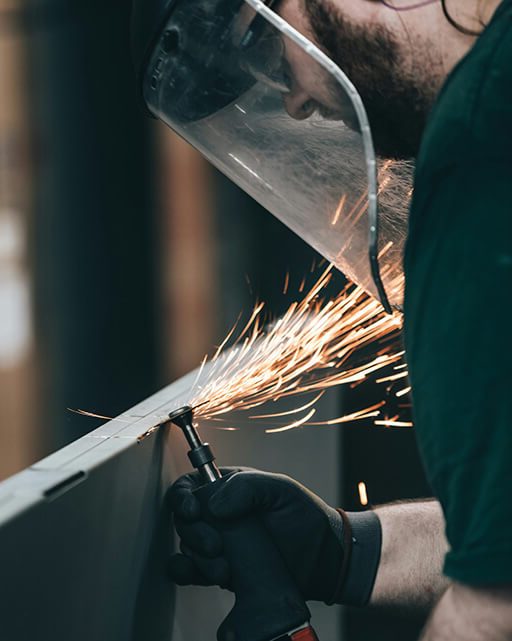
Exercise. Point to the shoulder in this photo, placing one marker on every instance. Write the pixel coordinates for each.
(469, 134)
(473, 114)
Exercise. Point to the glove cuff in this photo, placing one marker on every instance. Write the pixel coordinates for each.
(362, 545)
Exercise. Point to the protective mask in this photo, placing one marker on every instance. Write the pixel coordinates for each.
(221, 73)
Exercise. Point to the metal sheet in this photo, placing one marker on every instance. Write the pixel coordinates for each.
(85, 533)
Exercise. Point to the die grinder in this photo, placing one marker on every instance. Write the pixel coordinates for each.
(268, 605)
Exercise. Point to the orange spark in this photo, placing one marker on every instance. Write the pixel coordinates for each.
(394, 377)
(294, 411)
(310, 348)
(316, 345)
(286, 283)
(93, 415)
(394, 423)
(369, 412)
(403, 392)
(363, 495)
(385, 249)
(339, 209)
(298, 423)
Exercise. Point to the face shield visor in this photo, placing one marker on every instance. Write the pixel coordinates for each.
(228, 77)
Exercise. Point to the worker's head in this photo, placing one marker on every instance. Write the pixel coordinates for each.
(278, 95)
(394, 58)
(396, 52)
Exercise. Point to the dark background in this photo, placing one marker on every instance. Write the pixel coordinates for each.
(136, 256)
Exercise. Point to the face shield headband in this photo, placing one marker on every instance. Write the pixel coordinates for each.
(220, 75)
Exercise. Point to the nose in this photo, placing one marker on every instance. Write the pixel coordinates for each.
(298, 104)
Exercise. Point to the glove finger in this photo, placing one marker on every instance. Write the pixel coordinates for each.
(200, 537)
(181, 497)
(216, 570)
(183, 571)
(246, 492)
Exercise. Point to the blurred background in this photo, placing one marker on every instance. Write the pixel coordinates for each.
(124, 257)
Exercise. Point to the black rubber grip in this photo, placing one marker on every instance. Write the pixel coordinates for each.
(267, 602)
(201, 456)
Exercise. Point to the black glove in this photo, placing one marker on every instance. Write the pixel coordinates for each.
(332, 556)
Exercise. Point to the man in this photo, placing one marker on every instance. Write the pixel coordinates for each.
(436, 81)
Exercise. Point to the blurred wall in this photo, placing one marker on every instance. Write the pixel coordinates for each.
(18, 388)
(189, 254)
(78, 222)
(95, 264)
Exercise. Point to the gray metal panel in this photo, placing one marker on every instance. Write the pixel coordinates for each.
(85, 533)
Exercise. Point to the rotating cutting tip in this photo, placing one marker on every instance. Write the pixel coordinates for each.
(182, 416)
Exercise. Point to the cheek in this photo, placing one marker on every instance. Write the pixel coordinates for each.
(300, 65)
(307, 75)
(297, 59)
(293, 13)
(364, 12)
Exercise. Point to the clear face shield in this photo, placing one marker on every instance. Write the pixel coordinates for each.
(227, 76)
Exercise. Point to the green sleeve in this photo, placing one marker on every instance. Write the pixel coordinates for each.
(458, 331)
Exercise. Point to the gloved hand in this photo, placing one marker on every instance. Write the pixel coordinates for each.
(332, 555)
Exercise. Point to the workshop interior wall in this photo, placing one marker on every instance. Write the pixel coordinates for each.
(95, 265)
(18, 391)
(76, 175)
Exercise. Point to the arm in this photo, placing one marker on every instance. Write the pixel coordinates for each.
(459, 271)
(471, 614)
(332, 558)
(413, 550)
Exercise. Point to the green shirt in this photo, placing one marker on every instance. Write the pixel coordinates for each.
(458, 306)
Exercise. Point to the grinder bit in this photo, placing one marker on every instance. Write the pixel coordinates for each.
(200, 455)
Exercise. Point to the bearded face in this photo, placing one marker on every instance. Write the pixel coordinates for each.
(397, 94)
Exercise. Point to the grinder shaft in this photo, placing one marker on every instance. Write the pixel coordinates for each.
(200, 455)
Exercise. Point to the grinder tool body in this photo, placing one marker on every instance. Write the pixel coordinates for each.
(268, 605)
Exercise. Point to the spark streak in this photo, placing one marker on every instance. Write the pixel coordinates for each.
(286, 283)
(93, 415)
(394, 377)
(294, 411)
(339, 209)
(403, 392)
(298, 423)
(363, 494)
(394, 423)
(369, 412)
(315, 345)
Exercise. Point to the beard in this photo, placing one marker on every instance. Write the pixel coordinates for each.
(397, 97)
